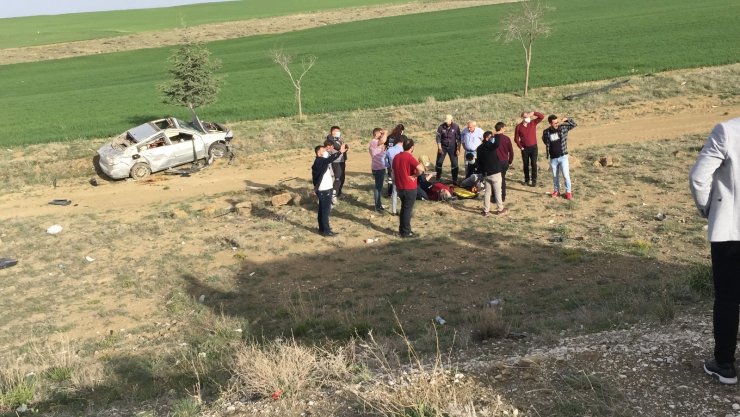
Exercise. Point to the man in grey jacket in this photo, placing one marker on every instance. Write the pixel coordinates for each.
(715, 186)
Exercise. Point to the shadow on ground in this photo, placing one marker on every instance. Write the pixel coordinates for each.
(544, 288)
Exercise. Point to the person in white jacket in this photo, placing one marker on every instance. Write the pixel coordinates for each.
(715, 186)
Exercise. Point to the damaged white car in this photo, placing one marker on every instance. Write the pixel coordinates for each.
(162, 144)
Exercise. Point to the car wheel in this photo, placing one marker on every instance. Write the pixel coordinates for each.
(140, 171)
(217, 150)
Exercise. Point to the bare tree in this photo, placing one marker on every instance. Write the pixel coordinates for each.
(284, 59)
(525, 25)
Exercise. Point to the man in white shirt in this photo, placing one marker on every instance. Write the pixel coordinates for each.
(323, 183)
(472, 137)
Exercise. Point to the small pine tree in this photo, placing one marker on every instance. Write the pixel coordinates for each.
(193, 82)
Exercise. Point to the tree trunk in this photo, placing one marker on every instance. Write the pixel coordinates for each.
(300, 106)
(526, 72)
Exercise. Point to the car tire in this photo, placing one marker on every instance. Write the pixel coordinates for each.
(140, 171)
(218, 150)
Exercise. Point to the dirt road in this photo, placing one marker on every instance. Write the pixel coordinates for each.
(132, 198)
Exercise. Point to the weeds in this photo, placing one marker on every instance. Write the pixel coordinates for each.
(16, 387)
(700, 279)
(421, 390)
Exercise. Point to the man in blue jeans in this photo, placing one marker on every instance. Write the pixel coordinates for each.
(715, 185)
(555, 138)
(323, 183)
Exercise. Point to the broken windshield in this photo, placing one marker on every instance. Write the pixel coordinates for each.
(189, 125)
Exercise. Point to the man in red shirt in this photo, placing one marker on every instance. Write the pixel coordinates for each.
(505, 154)
(406, 169)
(525, 137)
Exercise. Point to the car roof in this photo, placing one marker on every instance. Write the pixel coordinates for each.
(143, 132)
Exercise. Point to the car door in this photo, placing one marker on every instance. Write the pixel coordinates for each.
(187, 147)
(157, 152)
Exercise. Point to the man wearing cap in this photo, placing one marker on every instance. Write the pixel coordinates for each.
(715, 185)
(472, 137)
(448, 143)
(525, 137)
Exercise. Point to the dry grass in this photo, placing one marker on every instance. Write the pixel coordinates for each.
(285, 368)
(421, 389)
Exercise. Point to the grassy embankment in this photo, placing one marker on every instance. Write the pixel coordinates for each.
(369, 64)
(600, 262)
(42, 30)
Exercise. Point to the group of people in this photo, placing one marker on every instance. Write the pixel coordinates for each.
(488, 156)
(713, 181)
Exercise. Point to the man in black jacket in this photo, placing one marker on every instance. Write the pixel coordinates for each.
(338, 166)
(489, 167)
(448, 143)
(323, 181)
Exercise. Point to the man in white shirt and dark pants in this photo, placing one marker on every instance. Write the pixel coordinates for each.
(323, 183)
(715, 185)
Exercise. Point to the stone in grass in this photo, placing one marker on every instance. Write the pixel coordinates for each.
(605, 161)
(52, 230)
(281, 199)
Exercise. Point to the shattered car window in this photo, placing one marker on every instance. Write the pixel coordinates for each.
(188, 125)
(122, 142)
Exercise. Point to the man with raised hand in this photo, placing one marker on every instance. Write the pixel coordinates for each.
(339, 165)
(489, 167)
(555, 139)
(322, 177)
(525, 137)
(715, 185)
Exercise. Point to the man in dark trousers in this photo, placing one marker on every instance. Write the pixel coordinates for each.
(715, 185)
(448, 143)
(525, 137)
(338, 166)
(323, 179)
(406, 169)
(505, 154)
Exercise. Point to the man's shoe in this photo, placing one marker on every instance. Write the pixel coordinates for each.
(568, 196)
(555, 194)
(534, 184)
(328, 234)
(502, 212)
(484, 213)
(724, 372)
(408, 235)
